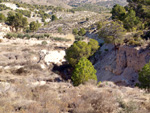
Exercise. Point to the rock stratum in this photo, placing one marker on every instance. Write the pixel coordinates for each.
(121, 66)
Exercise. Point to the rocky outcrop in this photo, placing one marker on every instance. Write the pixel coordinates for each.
(129, 57)
(122, 66)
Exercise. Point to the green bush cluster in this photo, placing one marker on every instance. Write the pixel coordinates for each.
(3, 7)
(135, 16)
(80, 32)
(44, 43)
(59, 29)
(33, 7)
(24, 12)
(16, 21)
(34, 26)
(81, 49)
(37, 36)
(54, 18)
(43, 15)
(113, 32)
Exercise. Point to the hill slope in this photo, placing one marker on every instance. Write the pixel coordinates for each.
(68, 3)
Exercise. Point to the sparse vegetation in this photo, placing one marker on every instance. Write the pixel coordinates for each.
(24, 12)
(54, 17)
(3, 7)
(82, 32)
(113, 33)
(2, 18)
(31, 81)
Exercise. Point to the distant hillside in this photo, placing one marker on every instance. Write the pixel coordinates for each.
(61, 3)
(105, 3)
(69, 3)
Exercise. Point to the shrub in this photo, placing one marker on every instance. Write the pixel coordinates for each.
(75, 31)
(54, 17)
(39, 36)
(133, 42)
(82, 32)
(11, 35)
(44, 43)
(59, 29)
(24, 12)
(78, 38)
(20, 35)
(27, 36)
(94, 46)
(99, 25)
(47, 35)
(144, 77)
(3, 7)
(83, 72)
(34, 26)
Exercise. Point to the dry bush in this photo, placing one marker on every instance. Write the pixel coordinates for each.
(91, 101)
(1, 40)
(146, 105)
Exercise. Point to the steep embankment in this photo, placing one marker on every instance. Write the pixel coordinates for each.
(122, 65)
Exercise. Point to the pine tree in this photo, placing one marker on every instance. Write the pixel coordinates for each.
(144, 77)
(84, 71)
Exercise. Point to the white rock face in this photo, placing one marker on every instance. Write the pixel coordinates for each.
(121, 66)
(56, 57)
(40, 83)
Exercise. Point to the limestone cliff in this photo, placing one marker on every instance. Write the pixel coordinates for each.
(122, 65)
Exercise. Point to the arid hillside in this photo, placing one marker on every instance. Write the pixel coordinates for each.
(28, 84)
(69, 3)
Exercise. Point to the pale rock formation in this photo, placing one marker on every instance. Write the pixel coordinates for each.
(121, 66)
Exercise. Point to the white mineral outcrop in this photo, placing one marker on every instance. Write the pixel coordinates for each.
(56, 57)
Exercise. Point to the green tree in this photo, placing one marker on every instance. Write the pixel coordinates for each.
(11, 19)
(75, 31)
(113, 32)
(131, 21)
(99, 25)
(94, 46)
(76, 51)
(81, 49)
(82, 32)
(34, 26)
(144, 77)
(54, 17)
(84, 71)
(118, 12)
(16, 21)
